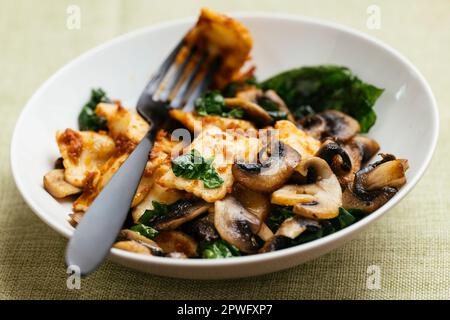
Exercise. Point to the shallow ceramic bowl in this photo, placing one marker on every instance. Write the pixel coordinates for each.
(407, 123)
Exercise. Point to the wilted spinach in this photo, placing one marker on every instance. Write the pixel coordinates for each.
(218, 249)
(193, 166)
(343, 220)
(318, 88)
(233, 87)
(277, 216)
(144, 230)
(213, 103)
(150, 214)
(272, 108)
(88, 119)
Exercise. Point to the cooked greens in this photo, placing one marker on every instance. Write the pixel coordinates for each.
(323, 87)
(193, 166)
(233, 87)
(213, 103)
(218, 249)
(144, 230)
(343, 220)
(150, 214)
(277, 216)
(88, 119)
(272, 109)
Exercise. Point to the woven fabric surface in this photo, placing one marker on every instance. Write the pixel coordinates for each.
(409, 245)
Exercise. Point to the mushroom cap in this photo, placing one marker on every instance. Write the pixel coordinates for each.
(236, 225)
(376, 184)
(255, 202)
(181, 212)
(275, 98)
(75, 218)
(276, 243)
(270, 174)
(251, 100)
(368, 147)
(319, 200)
(331, 123)
(294, 226)
(133, 241)
(314, 125)
(351, 200)
(202, 229)
(330, 151)
(177, 241)
(257, 114)
(343, 159)
(132, 246)
(59, 188)
(291, 228)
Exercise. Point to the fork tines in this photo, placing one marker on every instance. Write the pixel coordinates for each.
(183, 77)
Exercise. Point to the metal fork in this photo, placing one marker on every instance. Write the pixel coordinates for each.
(174, 85)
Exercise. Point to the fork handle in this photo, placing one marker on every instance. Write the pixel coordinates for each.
(98, 230)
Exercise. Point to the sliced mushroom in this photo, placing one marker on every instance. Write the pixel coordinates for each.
(294, 226)
(75, 218)
(177, 241)
(181, 211)
(133, 241)
(344, 160)
(270, 174)
(292, 194)
(236, 225)
(55, 184)
(276, 243)
(335, 155)
(252, 101)
(319, 200)
(376, 184)
(132, 246)
(330, 123)
(202, 229)
(368, 147)
(291, 228)
(265, 233)
(255, 202)
(157, 193)
(275, 98)
(260, 116)
(314, 125)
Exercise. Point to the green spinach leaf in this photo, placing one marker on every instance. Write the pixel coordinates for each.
(218, 249)
(277, 216)
(150, 214)
(144, 230)
(213, 103)
(88, 119)
(193, 166)
(272, 109)
(318, 88)
(343, 220)
(233, 87)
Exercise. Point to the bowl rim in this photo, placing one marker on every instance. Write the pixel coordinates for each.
(67, 231)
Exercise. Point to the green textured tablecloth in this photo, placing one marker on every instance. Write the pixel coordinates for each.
(410, 245)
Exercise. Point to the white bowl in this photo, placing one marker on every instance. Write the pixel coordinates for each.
(407, 123)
